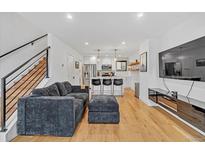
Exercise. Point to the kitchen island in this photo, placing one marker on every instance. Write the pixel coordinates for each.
(107, 90)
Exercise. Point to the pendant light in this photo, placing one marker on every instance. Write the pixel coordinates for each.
(98, 57)
(115, 58)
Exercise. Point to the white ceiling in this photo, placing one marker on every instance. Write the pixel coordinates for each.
(106, 31)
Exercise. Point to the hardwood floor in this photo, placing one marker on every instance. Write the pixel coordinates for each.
(139, 122)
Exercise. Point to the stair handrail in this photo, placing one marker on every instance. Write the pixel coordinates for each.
(30, 42)
(16, 69)
(3, 86)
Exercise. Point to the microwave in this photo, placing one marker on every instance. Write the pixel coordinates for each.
(107, 67)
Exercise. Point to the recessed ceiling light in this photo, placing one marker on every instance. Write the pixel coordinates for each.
(86, 43)
(93, 57)
(139, 15)
(69, 16)
(123, 43)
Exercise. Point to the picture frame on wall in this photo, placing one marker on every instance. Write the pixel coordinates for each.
(77, 65)
(200, 62)
(143, 62)
(121, 65)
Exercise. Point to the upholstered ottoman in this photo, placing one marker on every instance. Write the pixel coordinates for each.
(103, 109)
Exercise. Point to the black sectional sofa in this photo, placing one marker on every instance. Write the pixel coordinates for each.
(54, 110)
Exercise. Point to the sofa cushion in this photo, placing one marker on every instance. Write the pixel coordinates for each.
(78, 107)
(61, 88)
(40, 92)
(83, 96)
(68, 86)
(103, 103)
(53, 90)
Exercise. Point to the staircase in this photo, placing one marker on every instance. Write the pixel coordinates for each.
(24, 86)
(20, 82)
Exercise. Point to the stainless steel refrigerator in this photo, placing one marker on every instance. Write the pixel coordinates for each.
(89, 71)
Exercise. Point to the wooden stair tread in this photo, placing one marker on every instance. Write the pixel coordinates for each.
(21, 92)
(18, 83)
(13, 109)
(24, 86)
(21, 81)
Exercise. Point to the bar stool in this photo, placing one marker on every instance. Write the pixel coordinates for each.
(96, 82)
(118, 82)
(107, 82)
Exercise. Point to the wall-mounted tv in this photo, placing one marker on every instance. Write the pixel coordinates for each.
(185, 62)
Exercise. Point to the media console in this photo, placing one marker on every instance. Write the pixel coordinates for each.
(189, 109)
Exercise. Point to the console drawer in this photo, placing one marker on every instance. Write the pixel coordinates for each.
(167, 102)
(191, 115)
(198, 111)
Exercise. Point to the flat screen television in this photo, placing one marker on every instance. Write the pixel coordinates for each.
(184, 62)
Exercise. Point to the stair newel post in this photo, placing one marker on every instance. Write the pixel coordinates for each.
(3, 104)
(47, 73)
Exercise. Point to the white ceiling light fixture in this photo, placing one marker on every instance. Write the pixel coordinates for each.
(140, 14)
(69, 16)
(86, 43)
(123, 43)
(93, 57)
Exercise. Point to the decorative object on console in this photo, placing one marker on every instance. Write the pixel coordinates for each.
(174, 94)
(143, 62)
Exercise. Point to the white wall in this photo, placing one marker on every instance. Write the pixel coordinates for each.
(14, 32)
(133, 75)
(103, 60)
(147, 78)
(185, 32)
(58, 60)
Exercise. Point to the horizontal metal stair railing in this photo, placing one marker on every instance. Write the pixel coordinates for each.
(28, 76)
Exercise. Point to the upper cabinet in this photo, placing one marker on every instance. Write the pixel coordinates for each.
(90, 60)
(121, 65)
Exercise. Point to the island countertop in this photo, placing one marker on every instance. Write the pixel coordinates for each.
(108, 77)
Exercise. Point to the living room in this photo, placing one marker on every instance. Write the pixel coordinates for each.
(102, 76)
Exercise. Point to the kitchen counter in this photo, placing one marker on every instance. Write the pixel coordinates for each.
(108, 77)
